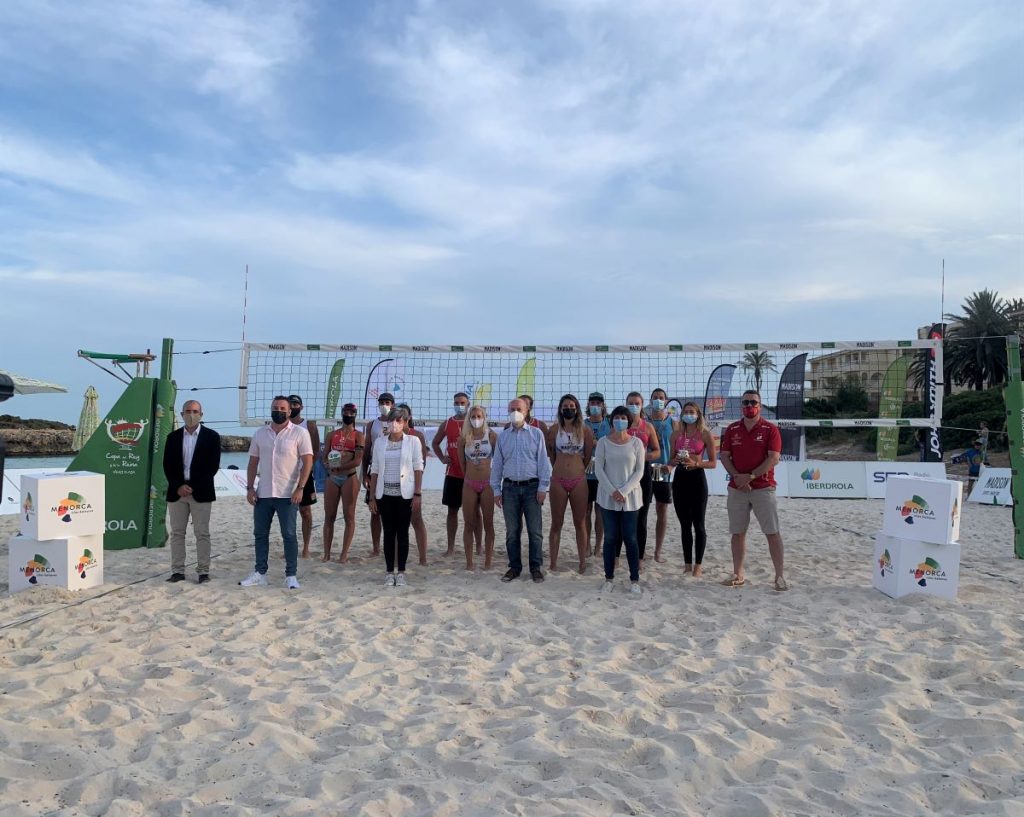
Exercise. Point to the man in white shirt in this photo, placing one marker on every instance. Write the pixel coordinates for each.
(282, 454)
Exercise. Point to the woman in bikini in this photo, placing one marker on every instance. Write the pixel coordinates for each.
(343, 452)
(570, 447)
(417, 515)
(693, 451)
(476, 448)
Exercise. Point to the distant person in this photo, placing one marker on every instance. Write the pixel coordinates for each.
(530, 419)
(342, 454)
(309, 489)
(599, 426)
(282, 454)
(451, 495)
(373, 430)
(396, 477)
(693, 451)
(983, 438)
(664, 426)
(620, 462)
(646, 433)
(520, 477)
(475, 451)
(417, 512)
(191, 461)
(750, 450)
(974, 456)
(570, 447)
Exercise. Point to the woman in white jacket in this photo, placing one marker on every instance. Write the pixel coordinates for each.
(619, 466)
(396, 476)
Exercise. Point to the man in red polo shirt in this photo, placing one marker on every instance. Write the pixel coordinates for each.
(751, 448)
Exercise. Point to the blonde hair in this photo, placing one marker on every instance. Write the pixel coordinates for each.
(467, 427)
(700, 425)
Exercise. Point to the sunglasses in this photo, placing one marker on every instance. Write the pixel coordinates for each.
(749, 403)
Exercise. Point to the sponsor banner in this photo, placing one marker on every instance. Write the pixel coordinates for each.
(993, 487)
(718, 480)
(790, 406)
(890, 405)
(163, 413)
(904, 566)
(933, 445)
(927, 510)
(1013, 396)
(58, 505)
(716, 394)
(823, 478)
(72, 563)
(878, 473)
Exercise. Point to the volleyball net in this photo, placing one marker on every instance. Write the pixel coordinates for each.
(827, 383)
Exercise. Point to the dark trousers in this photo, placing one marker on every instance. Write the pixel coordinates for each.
(690, 498)
(647, 491)
(619, 528)
(519, 502)
(395, 518)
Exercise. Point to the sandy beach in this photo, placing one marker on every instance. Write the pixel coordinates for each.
(460, 695)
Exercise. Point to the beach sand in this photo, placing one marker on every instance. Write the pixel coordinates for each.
(460, 695)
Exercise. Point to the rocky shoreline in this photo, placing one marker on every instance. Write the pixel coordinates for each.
(32, 442)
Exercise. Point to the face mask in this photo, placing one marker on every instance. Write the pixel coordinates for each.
(633, 408)
(476, 422)
(750, 412)
(517, 418)
(460, 410)
(595, 411)
(295, 412)
(191, 420)
(385, 409)
(568, 414)
(657, 405)
(348, 419)
(689, 418)
(278, 417)
(620, 423)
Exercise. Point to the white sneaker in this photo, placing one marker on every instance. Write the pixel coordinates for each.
(400, 581)
(389, 579)
(634, 589)
(291, 583)
(607, 586)
(254, 580)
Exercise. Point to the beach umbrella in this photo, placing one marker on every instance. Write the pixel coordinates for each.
(88, 420)
(11, 384)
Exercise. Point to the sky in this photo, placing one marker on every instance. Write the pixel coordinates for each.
(578, 171)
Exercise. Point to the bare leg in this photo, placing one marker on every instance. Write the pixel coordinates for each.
(486, 517)
(349, 498)
(559, 499)
(775, 549)
(375, 530)
(578, 503)
(452, 526)
(421, 535)
(661, 523)
(307, 528)
(739, 551)
(332, 495)
(478, 530)
(470, 501)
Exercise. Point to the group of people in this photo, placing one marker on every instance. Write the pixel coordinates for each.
(620, 462)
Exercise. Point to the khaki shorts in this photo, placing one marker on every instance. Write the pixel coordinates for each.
(761, 501)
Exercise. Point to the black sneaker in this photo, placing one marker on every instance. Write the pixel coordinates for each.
(176, 577)
(510, 574)
(203, 578)
(537, 576)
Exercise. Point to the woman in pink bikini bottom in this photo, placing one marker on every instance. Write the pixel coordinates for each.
(476, 448)
(570, 447)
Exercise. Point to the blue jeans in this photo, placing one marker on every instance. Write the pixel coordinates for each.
(518, 501)
(620, 526)
(262, 516)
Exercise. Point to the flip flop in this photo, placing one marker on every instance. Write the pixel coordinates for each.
(734, 581)
(780, 584)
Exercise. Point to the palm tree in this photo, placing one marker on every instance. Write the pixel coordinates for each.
(976, 341)
(757, 363)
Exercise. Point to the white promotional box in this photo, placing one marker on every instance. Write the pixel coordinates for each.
(905, 566)
(73, 563)
(927, 510)
(58, 505)
(992, 487)
(824, 478)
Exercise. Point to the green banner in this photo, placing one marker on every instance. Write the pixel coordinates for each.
(1013, 395)
(125, 448)
(890, 404)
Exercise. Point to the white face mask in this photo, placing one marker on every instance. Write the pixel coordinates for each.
(517, 418)
(476, 422)
(385, 410)
(459, 409)
(689, 418)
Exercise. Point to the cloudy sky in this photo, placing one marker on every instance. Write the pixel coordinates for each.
(462, 172)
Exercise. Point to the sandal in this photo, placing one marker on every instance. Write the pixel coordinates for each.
(780, 584)
(734, 581)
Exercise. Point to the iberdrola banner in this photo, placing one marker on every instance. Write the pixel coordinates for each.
(890, 404)
(1013, 395)
(127, 449)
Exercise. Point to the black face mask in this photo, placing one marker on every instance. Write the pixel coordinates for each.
(568, 414)
(295, 412)
(278, 417)
(348, 419)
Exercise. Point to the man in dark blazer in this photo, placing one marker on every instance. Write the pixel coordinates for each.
(191, 460)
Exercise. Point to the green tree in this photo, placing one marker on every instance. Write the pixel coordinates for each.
(757, 363)
(975, 343)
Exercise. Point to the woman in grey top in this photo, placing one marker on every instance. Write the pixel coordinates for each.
(619, 465)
